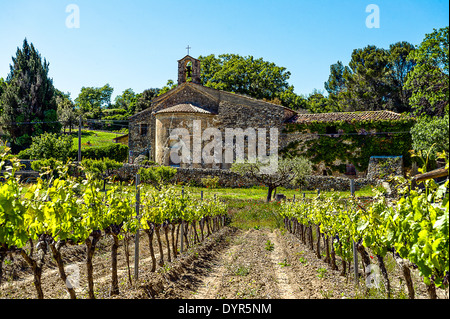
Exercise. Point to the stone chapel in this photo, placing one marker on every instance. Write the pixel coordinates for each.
(190, 101)
(149, 129)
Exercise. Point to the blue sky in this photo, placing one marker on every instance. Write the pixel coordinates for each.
(136, 44)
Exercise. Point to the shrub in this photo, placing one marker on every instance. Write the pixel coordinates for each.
(431, 131)
(48, 145)
(24, 154)
(51, 167)
(117, 152)
(100, 168)
(210, 182)
(45, 164)
(157, 175)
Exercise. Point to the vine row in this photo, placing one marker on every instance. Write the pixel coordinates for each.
(61, 210)
(414, 228)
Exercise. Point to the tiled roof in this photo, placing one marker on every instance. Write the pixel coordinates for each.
(346, 116)
(184, 108)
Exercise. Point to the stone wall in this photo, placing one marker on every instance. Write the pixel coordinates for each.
(230, 179)
(138, 143)
(227, 178)
(167, 121)
(382, 167)
(328, 183)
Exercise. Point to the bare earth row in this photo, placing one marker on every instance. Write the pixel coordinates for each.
(231, 264)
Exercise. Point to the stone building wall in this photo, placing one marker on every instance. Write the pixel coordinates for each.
(231, 111)
(295, 143)
(167, 121)
(141, 144)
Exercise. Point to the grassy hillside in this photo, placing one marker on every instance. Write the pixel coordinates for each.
(94, 138)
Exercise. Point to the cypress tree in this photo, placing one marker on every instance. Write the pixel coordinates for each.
(29, 97)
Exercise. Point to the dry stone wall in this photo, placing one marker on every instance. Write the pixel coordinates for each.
(384, 167)
(227, 178)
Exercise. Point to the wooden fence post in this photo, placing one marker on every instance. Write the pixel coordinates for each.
(136, 239)
(182, 224)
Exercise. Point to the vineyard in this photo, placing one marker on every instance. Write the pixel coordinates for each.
(193, 251)
(60, 211)
(414, 228)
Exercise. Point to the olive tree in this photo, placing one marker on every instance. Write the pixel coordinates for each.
(288, 171)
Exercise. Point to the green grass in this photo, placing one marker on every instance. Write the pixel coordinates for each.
(93, 138)
(248, 207)
(253, 213)
(260, 192)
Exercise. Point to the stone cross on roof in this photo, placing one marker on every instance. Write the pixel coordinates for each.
(188, 48)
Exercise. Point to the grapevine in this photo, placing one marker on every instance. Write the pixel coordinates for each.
(59, 209)
(415, 228)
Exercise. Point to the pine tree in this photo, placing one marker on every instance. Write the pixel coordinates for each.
(29, 98)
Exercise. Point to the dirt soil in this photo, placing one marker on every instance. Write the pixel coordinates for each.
(231, 263)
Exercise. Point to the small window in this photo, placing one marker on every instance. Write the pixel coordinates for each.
(331, 130)
(144, 129)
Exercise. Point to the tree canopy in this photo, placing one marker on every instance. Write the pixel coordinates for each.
(429, 79)
(92, 100)
(373, 80)
(403, 78)
(249, 76)
(28, 104)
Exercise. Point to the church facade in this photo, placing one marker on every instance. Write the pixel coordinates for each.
(192, 103)
(189, 103)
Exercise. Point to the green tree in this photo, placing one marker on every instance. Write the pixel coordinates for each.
(429, 79)
(366, 85)
(398, 67)
(336, 81)
(92, 100)
(336, 84)
(318, 103)
(2, 89)
(288, 171)
(374, 80)
(431, 132)
(28, 104)
(51, 145)
(169, 86)
(292, 100)
(145, 98)
(66, 113)
(127, 101)
(249, 76)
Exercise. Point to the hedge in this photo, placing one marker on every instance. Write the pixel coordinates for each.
(117, 152)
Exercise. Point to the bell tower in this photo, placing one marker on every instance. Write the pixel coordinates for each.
(188, 70)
